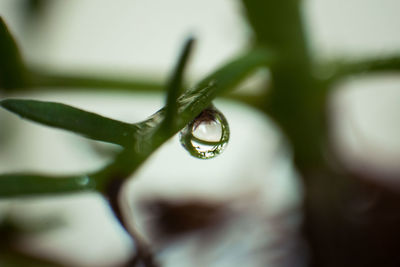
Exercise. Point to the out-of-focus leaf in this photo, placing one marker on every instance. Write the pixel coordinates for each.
(14, 258)
(72, 119)
(13, 73)
(14, 185)
(34, 8)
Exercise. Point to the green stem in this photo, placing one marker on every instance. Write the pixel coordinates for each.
(296, 100)
(343, 69)
(45, 79)
(15, 185)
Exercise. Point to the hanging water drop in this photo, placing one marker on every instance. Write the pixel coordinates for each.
(207, 135)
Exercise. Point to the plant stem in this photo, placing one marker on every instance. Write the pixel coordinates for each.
(20, 185)
(346, 68)
(296, 101)
(143, 253)
(347, 222)
(44, 79)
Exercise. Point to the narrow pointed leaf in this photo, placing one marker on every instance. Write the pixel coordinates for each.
(65, 117)
(174, 87)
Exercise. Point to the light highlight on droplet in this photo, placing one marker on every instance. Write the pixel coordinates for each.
(207, 135)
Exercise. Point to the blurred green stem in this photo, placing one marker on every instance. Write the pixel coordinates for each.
(296, 100)
(43, 79)
(16, 185)
(342, 69)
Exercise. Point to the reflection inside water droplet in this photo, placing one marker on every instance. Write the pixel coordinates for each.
(210, 131)
(207, 135)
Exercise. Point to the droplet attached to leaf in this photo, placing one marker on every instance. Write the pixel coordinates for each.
(207, 135)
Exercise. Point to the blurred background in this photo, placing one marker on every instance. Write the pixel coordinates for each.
(239, 209)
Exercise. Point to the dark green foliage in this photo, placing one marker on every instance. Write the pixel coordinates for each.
(174, 86)
(13, 73)
(72, 119)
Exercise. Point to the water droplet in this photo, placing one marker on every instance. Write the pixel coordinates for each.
(207, 135)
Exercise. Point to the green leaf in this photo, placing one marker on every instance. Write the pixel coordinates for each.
(13, 73)
(14, 185)
(174, 87)
(58, 115)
